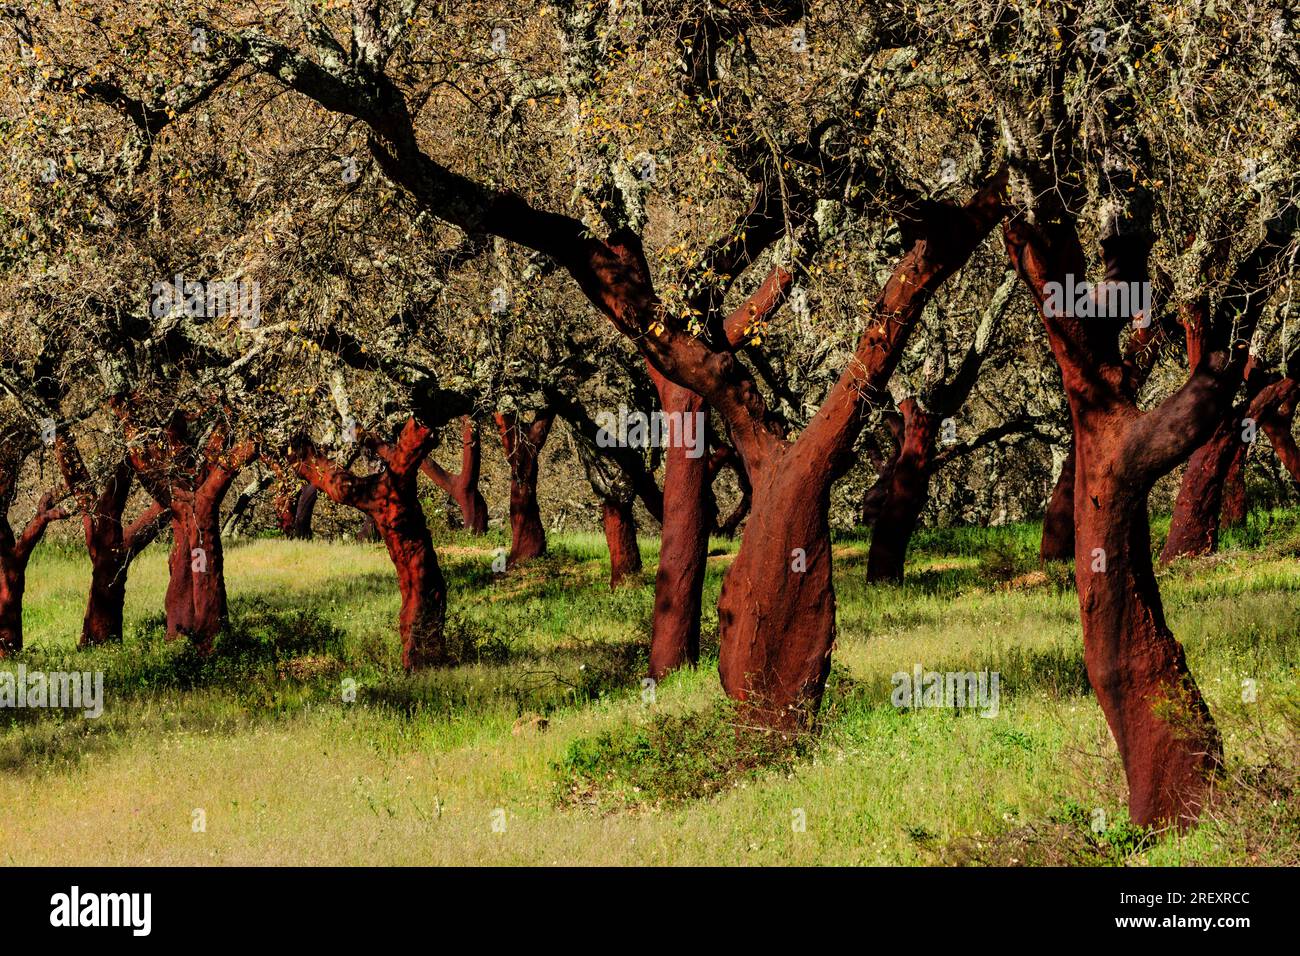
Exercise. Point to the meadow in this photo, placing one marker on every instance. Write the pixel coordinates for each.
(302, 742)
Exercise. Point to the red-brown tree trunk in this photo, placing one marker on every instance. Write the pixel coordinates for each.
(110, 545)
(1057, 542)
(13, 581)
(112, 548)
(908, 491)
(15, 552)
(523, 448)
(463, 487)
(776, 612)
(684, 539)
(196, 594)
(620, 535)
(1163, 730)
(1194, 526)
(1280, 401)
(390, 498)
(1234, 491)
(1137, 668)
(420, 622)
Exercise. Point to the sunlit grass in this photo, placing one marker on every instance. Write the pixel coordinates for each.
(286, 771)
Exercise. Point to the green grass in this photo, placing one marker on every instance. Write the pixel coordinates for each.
(544, 723)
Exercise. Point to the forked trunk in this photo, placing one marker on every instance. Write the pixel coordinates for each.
(1058, 520)
(908, 492)
(1168, 742)
(523, 448)
(620, 535)
(780, 585)
(390, 500)
(684, 540)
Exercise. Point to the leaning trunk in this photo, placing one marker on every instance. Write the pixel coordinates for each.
(1162, 727)
(1194, 527)
(620, 535)
(684, 540)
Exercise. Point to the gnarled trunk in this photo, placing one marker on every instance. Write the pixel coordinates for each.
(523, 448)
(908, 491)
(684, 540)
(390, 500)
(1057, 543)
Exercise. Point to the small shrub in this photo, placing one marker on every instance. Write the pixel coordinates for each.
(671, 760)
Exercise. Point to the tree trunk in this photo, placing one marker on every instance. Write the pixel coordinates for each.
(304, 509)
(909, 490)
(463, 487)
(620, 535)
(112, 548)
(390, 499)
(196, 594)
(1235, 506)
(401, 523)
(15, 552)
(779, 586)
(1194, 527)
(13, 581)
(1058, 520)
(684, 541)
(523, 448)
(1137, 668)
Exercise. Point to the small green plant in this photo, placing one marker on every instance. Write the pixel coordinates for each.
(670, 760)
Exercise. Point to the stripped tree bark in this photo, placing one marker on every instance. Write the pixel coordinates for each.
(390, 498)
(16, 549)
(523, 449)
(463, 487)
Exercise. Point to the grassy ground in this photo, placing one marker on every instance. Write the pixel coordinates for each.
(541, 746)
